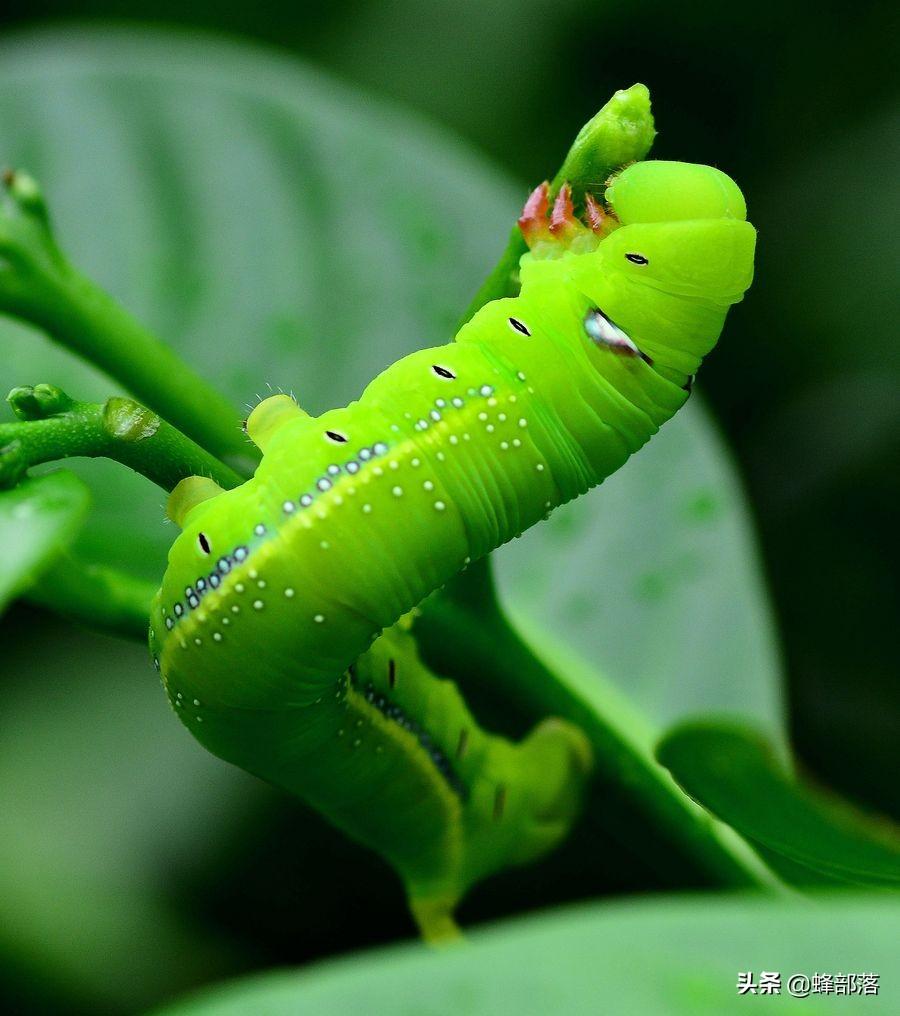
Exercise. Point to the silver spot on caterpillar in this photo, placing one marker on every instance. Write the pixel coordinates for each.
(519, 326)
(603, 331)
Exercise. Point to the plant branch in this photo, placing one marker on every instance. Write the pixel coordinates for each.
(52, 426)
(620, 133)
(39, 286)
(465, 635)
(101, 598)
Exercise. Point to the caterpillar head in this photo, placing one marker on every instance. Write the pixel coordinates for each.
(671, 254)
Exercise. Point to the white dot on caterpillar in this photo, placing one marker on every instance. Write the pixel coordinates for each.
(492, 402)
(428, 485)
(393, 464)
(226, 621)
(259, 530)
(482, 416)
(288, 507)
(504, 445)
(253, 573)
(501, 417)
(289, 592)
(415, 463)
(261, 584)
(439, 506)
(235, 609)
(454, 439)
(523, 422)
(512, 398)
(196, 702)
(520, 375)
(540, 467)
(378, 471)
(457, 402)
(397, 491)
(467, 436)
(440, 403)
(258, 604)
(440, 456)
(198, 642)
(324, 545)
(367, 508)
(239, 587)
(217, 636)
(486, 390)
(516, 443)
(340, 733)
(435, 415)
(490, 428)
(337, 500)
(319, 618)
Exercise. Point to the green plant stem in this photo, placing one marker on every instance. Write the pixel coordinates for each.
(52, 426)
(39, 286)
(620, 133)
(101, 598)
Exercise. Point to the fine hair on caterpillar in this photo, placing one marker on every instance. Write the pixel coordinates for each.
(282, 629)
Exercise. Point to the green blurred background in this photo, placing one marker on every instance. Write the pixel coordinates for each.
(799, 103)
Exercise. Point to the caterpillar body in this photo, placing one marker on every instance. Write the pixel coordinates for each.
(279, 626)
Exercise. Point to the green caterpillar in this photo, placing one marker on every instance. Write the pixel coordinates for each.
(279, 629)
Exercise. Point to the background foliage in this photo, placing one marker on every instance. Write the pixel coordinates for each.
(191, 213)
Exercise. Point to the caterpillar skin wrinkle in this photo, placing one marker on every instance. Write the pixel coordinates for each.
(281, 629)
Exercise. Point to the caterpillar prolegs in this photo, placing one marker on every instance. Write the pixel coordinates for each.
(279, 627)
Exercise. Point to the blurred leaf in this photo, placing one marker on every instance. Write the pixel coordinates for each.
(655, 581)
(733, 772)
(37, 521)
(662, 955)
(107, 806)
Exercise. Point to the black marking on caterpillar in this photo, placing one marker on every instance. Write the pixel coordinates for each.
(397, 715)
(519, 326)
(637, 259)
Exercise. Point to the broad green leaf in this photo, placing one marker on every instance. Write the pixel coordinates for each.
(654, 580)
(37, 521)
(734, 772)
(662, 955)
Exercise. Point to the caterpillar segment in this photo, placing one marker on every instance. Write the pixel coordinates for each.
(280, 626)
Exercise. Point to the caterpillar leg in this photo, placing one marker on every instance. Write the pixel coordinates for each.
(457, 804)
(553, 231)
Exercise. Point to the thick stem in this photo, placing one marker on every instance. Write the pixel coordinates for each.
(101, 598)
(464, 632)
(620, 133)
(52, 426)
(39, 286)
